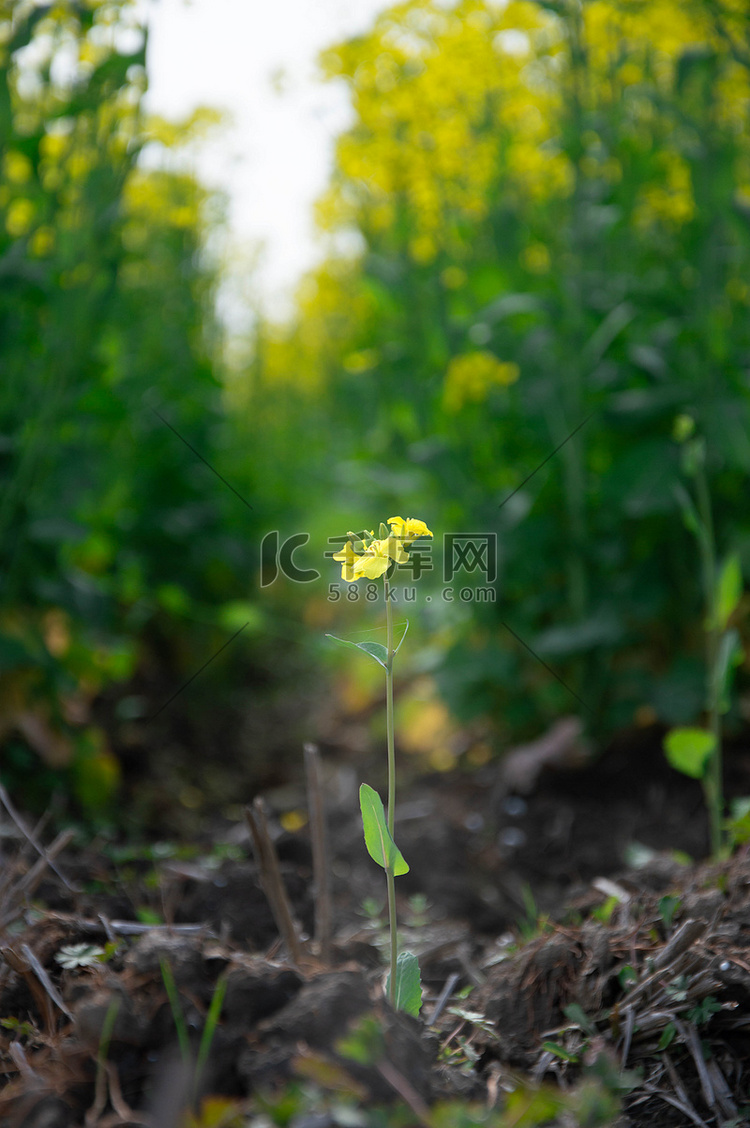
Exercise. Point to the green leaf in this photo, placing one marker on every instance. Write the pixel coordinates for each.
(690, 516)
(728, 589)
(575, 1014)
(380, 846)
(730, 655)
(403, 636)
(668, 906)
(689, 750)
(364, 1042)
(375, 649)
(627, 976)
(738, 826)
(560, 1051)
(667, 1036)
(408, 985)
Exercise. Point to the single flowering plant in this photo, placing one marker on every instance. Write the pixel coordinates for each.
(365, 556)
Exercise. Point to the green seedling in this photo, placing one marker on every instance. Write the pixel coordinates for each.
(560, 1052)
(677, 989)
(178, 1017)
(108, 1026)
(603, 913)
(371, 910)
(209, 1027)
(695, 751)
(364, 1043)
(533, 924)
(702, 1012)
(627, 977)
(419, 907)
(366, 557)
(668, 1035)
(72, 956)
(668, 906)
(475, 1018)
(18, 1027)
(737, 826)
(577, 1035)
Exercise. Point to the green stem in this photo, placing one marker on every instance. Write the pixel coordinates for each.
(713, 781)
(391, 884)
(389, 709)
(391, 810)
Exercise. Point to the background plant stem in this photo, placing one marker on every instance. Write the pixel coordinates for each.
(713, 783)
(391, 786)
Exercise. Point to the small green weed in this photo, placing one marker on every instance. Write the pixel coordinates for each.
(72, 956)
(183, 1038)
(668, 906)
(18, 1027)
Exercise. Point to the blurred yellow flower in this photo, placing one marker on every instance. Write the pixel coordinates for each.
(17, 167)
(535, 257)
(19, 218)
(471, 377)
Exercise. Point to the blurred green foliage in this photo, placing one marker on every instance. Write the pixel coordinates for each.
(540, 241)
(110, 527)
(538, 236)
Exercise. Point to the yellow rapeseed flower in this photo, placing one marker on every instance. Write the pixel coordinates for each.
(347, 558)
(409, 529)
(377, 558)
(365, 557)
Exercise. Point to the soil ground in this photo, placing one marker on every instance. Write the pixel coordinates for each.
(576, 971)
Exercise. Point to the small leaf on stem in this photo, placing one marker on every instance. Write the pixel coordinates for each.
(408, 985)
(380, 846)
(689, 750)
(403, 636)
(376, 650)
(730, 655)
(728, 589)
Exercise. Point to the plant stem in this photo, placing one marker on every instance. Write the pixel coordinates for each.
(391, 809)
(713, 781)
(389, 710)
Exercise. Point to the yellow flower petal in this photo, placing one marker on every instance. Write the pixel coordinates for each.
(409, 529)
(371, 566)
(346, 558)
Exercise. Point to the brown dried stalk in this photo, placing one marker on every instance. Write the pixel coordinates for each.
(321, 878)
(272, 881)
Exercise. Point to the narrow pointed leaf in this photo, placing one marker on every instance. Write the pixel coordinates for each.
(403, 636)
(728, 589)
(380, 846)
(408, 984)
(375, 649)
(690, 516)
(689, 750)
(729, 656)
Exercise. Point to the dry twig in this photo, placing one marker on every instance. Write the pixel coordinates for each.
(321, 881)
(272, 881)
